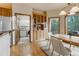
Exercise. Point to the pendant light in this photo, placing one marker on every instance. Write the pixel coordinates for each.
(72, 11)
(62, 13)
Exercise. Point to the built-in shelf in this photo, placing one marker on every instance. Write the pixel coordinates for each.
(39, 21)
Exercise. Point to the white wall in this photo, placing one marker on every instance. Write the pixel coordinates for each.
(21, 8)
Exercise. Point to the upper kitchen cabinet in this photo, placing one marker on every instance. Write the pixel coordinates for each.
(5, 9)
(5, 16)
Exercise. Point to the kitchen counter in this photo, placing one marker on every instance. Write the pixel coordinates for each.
(2, 32)
(5, 40)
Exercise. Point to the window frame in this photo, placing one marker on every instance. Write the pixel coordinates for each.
(66, 22)
(49, 24)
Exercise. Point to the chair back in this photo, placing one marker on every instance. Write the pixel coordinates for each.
(63, 50)
(55, 45)
(59, 47)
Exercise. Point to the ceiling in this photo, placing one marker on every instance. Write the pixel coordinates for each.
(46, 6)
(39, 6)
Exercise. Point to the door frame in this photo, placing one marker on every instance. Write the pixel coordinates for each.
(16, 41)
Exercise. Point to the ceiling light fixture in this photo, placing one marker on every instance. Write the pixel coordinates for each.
(62, 13)
(71, 12)
(74, 9)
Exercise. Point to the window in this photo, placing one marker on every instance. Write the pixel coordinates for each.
(54, 21)
(72, 24)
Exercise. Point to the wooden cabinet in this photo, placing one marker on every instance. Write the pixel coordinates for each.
(39, 21)
(5, 23)
(5, 19)
(5, 12)
(39, 25)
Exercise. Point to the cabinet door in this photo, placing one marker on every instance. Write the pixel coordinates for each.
(5, 19)
(6, 23)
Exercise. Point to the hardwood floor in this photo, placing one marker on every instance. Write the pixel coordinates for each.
(30, 49)
(36, 51)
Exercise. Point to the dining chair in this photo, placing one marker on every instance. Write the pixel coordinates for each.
(59, 47)
(64, 50)
(55, 45)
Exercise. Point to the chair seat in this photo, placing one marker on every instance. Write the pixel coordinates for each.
(68, 49)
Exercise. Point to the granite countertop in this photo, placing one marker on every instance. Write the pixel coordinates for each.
(1, 32)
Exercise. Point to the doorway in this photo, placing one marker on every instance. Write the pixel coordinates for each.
(23, 28)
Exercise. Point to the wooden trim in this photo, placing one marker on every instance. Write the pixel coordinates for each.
(30, 23)
(65, 25)
(22, 14)
(50, 21)
(48, 24)
(34, 13)
(6, 8)
(59, 25)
